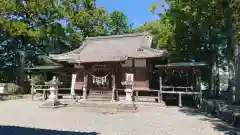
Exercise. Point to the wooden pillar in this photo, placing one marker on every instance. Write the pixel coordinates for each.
(134, 76)
(137, 94)
(160, 89)
(133, 66)
(198, 83)
(118, 80)
(32, 91)
(113, 86)
(180, 100)
(45, 76)
(73, 94)
(65, 78)
(44, 96)
(85, 83)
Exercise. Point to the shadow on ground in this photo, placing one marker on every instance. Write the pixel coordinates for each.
(14, 130)
(218, 124)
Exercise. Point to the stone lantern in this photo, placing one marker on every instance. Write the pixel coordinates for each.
(52, 100)
(128, 83)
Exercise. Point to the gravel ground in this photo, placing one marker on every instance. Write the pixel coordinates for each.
(22, 117)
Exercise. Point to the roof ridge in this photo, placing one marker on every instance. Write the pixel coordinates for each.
(118, 36)
(100, 37)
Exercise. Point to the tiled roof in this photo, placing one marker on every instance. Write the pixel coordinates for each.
(112, 48)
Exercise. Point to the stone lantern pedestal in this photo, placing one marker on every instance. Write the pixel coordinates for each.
(128, 90)
(53, 97)
(128, 83)
(52, 101)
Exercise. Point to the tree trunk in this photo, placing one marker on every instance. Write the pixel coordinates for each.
(232, 55)
(20, 70)
(217, 79)
(213, 64)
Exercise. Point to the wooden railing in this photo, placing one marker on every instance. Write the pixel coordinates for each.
(188, 91)
(44, 88)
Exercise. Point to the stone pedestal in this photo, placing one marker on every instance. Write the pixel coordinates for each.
(52, 101)
(128, 90)
(129, 94)
(53, 93)
(53, 97)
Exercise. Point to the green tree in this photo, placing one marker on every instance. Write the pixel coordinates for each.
(41, 27)
(198, 32)
(118, 24)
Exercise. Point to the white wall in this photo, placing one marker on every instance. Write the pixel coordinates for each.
(138, 63)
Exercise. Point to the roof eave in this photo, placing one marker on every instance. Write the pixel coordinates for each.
(43, 68)
(103, 61)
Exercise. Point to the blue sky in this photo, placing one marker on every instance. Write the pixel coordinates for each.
(137, 11)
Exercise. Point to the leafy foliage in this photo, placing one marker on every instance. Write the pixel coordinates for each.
(118, 24)
(41, 27)
(200, 30)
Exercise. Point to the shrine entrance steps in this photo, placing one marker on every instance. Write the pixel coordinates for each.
(106, 106)
(100, 95)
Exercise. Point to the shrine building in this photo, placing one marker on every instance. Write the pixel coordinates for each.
(104, 62)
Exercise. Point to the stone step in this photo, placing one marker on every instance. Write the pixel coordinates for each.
(98, 99)
(94, 92)
(110, 111)
(104, 98)
(107, 105)
(97, 94)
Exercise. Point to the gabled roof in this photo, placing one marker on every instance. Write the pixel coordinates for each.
(112, 48)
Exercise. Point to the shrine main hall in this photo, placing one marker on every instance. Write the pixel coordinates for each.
(106, 65)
